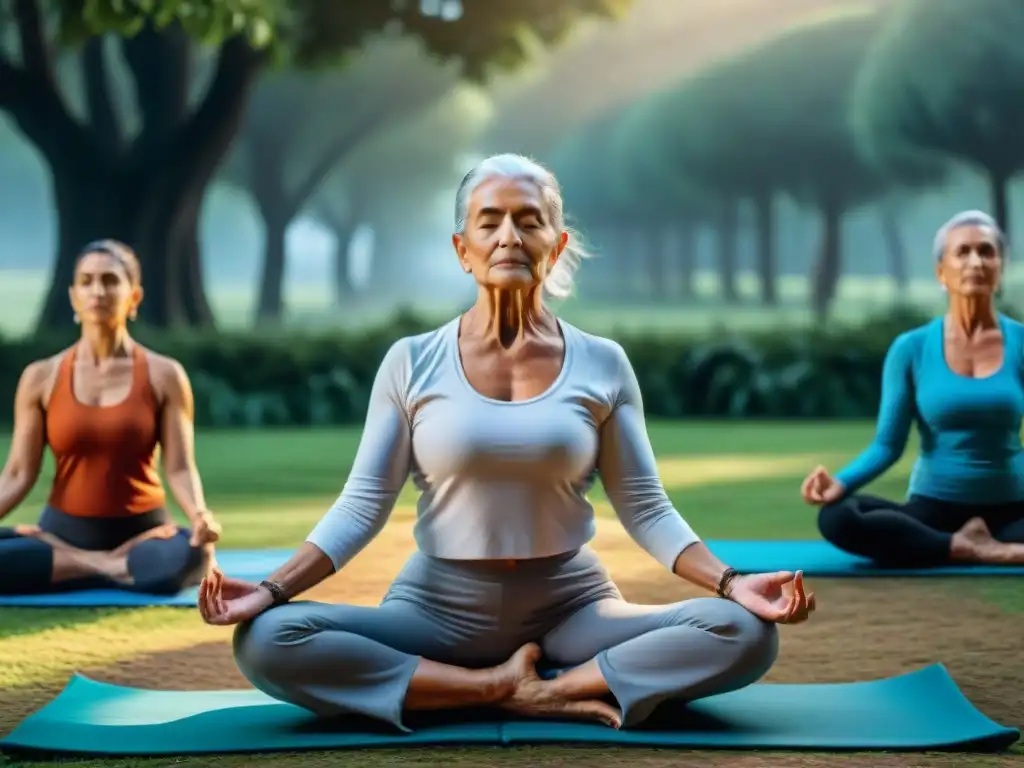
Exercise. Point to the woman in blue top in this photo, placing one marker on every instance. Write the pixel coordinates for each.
(961, 379)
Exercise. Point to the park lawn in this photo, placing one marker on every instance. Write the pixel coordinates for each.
(731, 480)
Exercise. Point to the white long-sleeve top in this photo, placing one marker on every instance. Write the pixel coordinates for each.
(503, 480)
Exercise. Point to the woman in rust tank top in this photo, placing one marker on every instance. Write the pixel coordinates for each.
(106, 408)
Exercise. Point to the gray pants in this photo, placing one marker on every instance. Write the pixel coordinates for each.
(338, 659)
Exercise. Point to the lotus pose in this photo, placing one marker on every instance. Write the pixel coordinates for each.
(504, 416)
(960, 377)
(104, 407)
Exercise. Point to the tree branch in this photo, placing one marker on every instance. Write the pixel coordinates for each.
(264, 161)
(160, 63)
(106, 127)
(36, 55)
(12, 83)
(199, 144)
(348, 141)
(35, 100)
(332, 154)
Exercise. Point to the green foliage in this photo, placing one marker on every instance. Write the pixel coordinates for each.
(946, 77)
(208, 21)
(482, 37)
(250, 380)
(775, 118)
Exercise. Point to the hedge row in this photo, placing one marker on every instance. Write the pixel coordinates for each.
(250, 380)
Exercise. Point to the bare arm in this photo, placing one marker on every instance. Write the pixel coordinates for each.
(177, 438)
(25, 459)
(378, 474)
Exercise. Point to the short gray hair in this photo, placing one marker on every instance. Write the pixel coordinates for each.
(560, 281)
(971, 218)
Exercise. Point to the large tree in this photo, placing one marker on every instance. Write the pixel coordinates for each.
(588, 172)
(810, 71)
(143, 180)
(401, 177)
(947, 77)
(299, 126)
(609, 66)
(714, 132)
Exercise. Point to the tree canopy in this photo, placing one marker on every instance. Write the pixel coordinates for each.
(299, 126)
(153, 178)
(946, 77)
(400, 184)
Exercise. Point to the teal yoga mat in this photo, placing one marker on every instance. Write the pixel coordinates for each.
(916, 711)
(819, 558)
(814, 558)
(250, 565)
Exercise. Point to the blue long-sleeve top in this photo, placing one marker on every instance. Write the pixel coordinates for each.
(970, 446)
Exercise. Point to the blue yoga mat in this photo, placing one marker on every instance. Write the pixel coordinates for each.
(814, 558)
(917, 711)
(819, 558)
(251, 565)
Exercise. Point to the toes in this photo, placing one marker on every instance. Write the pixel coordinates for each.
(595, 710)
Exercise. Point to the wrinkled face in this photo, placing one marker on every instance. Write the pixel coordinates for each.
(509, 241)
(102, 292)
(971, 264)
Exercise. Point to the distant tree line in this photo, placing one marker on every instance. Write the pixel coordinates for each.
(861, 107)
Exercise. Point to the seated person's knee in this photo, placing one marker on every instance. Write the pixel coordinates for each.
(834, 522)
(757, 642)
(260, 644)
(166, 566)
(753, 643)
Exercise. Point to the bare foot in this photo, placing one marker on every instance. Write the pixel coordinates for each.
(534, 697)
(974, 543)
(114, 567)
(160, 532)
(47, 538)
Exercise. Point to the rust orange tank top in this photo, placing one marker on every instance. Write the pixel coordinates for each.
(106, 456)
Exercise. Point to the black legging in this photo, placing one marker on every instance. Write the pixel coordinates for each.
(914, 534)
(157, 566)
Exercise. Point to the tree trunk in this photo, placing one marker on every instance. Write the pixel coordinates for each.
(344, 290)
(686, 242)
(999, 184)
(148, 192)
(270, 305)
(82, 216)
(727, 255)
(657, 242)
(828, 266)
(895, 248)
(764, 214)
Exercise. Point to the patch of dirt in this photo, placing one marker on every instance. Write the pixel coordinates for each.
(863, 629)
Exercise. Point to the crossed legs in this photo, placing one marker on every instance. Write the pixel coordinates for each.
(924, 532)
(159, 561)
(399, 657)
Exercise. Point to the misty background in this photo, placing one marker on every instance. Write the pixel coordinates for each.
(734, 162)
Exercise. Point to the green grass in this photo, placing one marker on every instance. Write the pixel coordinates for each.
(270, 487)
(731, 480)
